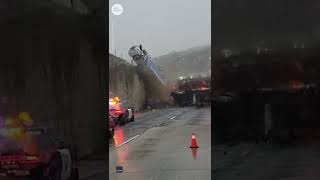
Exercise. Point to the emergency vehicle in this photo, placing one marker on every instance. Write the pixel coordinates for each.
(119, 112)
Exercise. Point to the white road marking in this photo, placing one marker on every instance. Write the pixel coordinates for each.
(173, 117)
(125, 142)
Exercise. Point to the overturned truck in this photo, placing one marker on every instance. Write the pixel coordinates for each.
(272, 96)
(192, 92)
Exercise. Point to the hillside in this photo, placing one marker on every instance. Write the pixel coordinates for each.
(184, 63)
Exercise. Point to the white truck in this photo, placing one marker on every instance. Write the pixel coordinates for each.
(144, 62)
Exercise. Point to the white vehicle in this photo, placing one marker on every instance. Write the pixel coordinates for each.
(144, 62)
(139, 55)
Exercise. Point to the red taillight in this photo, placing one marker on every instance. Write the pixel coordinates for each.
(119, 111)
(116, 112)
(203, 88)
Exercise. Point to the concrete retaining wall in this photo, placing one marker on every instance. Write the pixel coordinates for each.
(134, 86)
(125, 82)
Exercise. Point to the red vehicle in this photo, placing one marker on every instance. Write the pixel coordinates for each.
(36, 155)
(119, 112)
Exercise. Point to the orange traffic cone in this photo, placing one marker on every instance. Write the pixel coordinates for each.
(193, 141)
(194, 153)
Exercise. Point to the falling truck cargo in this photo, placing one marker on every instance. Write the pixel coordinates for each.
(157, 93)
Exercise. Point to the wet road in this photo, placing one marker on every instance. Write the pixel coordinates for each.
(160, 148)
(276, 162)
(144, 121)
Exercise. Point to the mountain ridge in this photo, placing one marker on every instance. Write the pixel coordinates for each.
(195, 60)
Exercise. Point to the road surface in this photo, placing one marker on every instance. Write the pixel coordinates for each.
(278, 162)
(158, 146)
(160, 149)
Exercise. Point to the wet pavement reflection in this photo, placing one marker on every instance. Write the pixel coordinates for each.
(118, 137)
(163, 150)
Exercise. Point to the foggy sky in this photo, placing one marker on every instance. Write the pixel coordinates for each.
(161, 26)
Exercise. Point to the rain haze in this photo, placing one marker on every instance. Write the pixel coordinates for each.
(160, 26)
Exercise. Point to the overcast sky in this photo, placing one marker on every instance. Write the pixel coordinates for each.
(161, 26)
